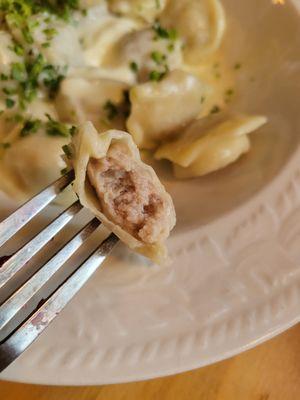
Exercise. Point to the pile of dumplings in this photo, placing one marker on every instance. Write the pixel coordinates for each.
(130, 65)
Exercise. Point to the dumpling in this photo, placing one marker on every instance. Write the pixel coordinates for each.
(142, 53)
(200, 24)
(146, 9)
(28, 163)
(100, 101)
(209, 144)
(160, 109)
(122, 191)
(100, 30)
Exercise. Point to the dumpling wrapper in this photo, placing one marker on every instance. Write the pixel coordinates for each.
(200, 24)
(140, 48)
(145, 9)
(83, 99)
(210, 144)
(89, 148)
(160, 109)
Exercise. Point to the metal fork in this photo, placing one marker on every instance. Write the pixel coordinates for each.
(17, 341)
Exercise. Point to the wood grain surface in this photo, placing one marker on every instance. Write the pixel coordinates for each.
(269, 372)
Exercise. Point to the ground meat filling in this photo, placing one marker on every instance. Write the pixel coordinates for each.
(128, 195)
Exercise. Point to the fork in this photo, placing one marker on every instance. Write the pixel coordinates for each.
(17, 341)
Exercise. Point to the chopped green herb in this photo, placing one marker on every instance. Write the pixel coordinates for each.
(229, 92)
(156, 75)
(18, 49)
(237, 66)
(133, 66)
(64, 171)
(157, 4)
(3, 77)
(126, 104)
(158, 57)
(9, 91)
(228, 95)
(5, 145)
(216, 109)
(18, 72)
(9, 103)
(50, 33)
(46, 45)
(202, 100)
(162, 33)
(67, 150)
(56, 128)
(171, 47)
(30, 126)
(73, 130)
(111, 110)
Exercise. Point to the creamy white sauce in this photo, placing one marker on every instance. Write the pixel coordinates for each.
(101, 48)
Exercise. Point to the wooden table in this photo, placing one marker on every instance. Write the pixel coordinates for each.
(268, 372)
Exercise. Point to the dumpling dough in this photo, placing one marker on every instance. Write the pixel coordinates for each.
(160, 109)
(200, 24)
(146, 9)
(122, 191)
(81, 100)
(210, 144)
(100, 30)
(139, 47)
(30, 163)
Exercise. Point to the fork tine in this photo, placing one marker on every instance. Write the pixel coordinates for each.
(21, 257)
(25, 213)
(13, 305)
(18, 341)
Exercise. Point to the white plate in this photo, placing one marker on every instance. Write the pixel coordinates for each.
(235, 279)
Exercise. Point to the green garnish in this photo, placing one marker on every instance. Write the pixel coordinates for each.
(3, 77)
(216, 109)
(156, 75)
(133, 66)
(67, 150)
(157, 4)
(9, 103)
(18, 72)
(30, 126)
(162, 33)
(64, 171)
(73, 130)
(158, 57)
(237, 66)
(56, 128)
(111, 109)
(18, 49)
(18, 14)
(5, 145)
(35, 73)
(202, 100)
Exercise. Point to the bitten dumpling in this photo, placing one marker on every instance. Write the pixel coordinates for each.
(160, 109)
(210, 144)
(122, 191)
(199, 23)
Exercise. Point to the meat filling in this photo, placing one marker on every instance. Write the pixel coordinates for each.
(128, 196)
